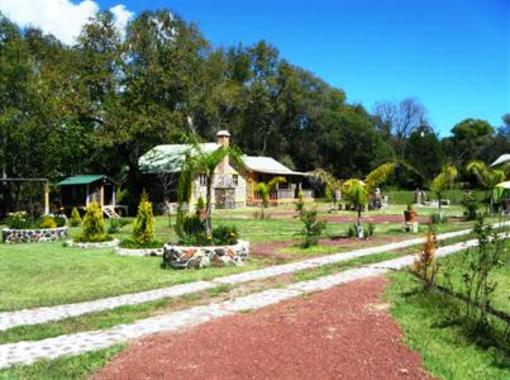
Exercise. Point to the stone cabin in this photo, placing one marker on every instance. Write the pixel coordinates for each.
(233, 186)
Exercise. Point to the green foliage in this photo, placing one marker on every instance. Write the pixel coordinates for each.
(470, 205)
(47, 221)
(130, 243)
(115, 225)
(265, 189)
(379, 175)
(300, 204)
(18, 220)
(143, 226)
(93, 229)
(75, 220)
(225, 235)
(438, 218)
(200, 206)
(312, 228)
(442, 182)
(193, 231)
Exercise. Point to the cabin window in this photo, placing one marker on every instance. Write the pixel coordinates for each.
(235, 179)
(203, 180)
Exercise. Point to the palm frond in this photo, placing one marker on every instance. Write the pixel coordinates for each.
(379, 175)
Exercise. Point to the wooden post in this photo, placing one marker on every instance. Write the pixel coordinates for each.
(46, 199)
(101, 196)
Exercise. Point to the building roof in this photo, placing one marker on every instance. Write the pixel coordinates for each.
(168, 158)
(501, 160)
(267, 165)
(82, 179)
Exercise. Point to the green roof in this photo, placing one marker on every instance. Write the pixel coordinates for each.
(82, 179)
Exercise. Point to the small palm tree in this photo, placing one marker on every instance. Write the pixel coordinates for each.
(265, 189)
(442, 182)
(197, 162)
(488, 178)
(357, 192)
(328, 181)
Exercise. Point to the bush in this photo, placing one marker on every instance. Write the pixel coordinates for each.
(19, 220)
(300, 205)
(225, 235)
(46, 221)
(93, 226)
(470, 205)
(115, 225)
(129, 243)
(371, 229)
(75, 220)
(312, 228)
(438, 218)
(192, 231)
(61, 220)
(143, 226)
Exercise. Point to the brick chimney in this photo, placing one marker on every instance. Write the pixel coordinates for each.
(223, 139)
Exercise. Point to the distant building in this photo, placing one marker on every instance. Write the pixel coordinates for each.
(233, 187)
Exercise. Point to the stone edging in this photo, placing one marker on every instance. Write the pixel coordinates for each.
(33, 235)
(183, 257)
(85, 245)
(138, 251)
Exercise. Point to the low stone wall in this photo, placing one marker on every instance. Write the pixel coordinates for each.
(182, 257)
(36, 235)
(87, 245)
(139, 251)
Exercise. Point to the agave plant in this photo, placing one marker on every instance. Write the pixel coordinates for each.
(488, 178)
(265, 189)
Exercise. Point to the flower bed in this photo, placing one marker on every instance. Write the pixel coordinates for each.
(184, 257)
(33, 235)
(85, 245)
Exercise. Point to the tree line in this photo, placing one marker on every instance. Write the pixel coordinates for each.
(100, 104)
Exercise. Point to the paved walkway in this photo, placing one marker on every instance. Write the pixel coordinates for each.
(40, 315)
(74, 344)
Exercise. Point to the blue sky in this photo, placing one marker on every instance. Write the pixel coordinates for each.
(453, 55)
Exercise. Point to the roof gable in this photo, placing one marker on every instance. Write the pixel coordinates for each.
(267, 165)
(168, 158)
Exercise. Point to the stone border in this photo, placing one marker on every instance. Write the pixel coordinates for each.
(139, 251)
(86, 245)
(185, 257)
(33, 235)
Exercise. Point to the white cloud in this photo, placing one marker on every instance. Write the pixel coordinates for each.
(62, 18)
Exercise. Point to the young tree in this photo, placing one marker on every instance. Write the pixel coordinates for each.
(442, 182)
(357, 192)
(265, 189)
(198, 162)
(488, 178)
(143, 226)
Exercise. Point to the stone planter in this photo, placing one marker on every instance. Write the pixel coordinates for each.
(35, 235)
(139, 251)
(183, 257)
(87, 245)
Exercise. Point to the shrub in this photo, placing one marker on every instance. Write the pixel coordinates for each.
(61, 220)
(227, 235)
(93, 225)
(143, 226)
(115, 225)
(300, 205)
(370, 229)
(75, 220)
(470, 205)
(46, 221)
(438, 218)
(129, 243)
(200, 208)
(312, 228)
(192, 231)
(357, 231)
(19, 220)
(425, 264)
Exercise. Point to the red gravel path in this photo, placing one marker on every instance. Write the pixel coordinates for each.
(342, 333)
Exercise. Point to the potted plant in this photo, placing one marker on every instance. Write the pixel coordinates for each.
(410, 214)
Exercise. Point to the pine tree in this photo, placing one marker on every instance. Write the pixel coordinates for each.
(143, 227)
(75, 220)
(94, 229)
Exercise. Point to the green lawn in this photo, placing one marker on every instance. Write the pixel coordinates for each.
(446, 351)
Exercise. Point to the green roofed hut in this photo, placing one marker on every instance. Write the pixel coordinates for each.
(80, 190)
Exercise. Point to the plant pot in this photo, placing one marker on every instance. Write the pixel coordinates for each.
(409, 216)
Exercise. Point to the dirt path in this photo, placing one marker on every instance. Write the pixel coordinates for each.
(344, 332)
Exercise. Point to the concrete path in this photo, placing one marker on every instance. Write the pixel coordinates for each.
(73, 344)
(40, 315)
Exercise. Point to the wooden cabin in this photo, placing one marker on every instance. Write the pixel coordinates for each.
(80, 190)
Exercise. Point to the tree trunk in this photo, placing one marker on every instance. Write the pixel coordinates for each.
(208, 206)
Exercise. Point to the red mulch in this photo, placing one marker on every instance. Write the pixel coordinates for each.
(343, 333)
